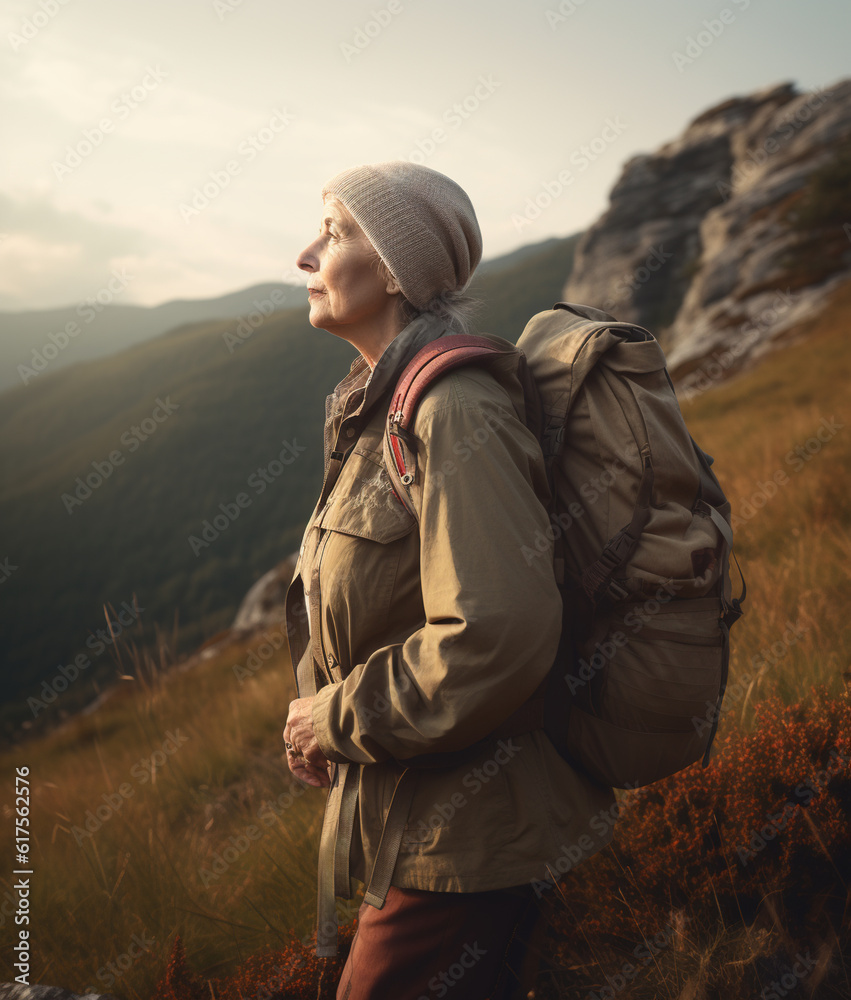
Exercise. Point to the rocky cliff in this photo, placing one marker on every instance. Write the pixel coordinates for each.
(731, 234)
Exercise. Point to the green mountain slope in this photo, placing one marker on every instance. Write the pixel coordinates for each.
(510, 295)
(179, 470)
(38, 341)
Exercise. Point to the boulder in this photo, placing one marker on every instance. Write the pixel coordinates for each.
(38, 991)
(263, 605)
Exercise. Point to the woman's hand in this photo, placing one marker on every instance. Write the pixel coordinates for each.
(306, 760)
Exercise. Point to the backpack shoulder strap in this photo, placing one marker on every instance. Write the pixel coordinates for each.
(428, 365)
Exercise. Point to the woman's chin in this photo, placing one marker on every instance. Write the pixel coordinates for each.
(314, 317)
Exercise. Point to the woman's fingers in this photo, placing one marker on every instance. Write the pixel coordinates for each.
(305, 759)
(308, 773)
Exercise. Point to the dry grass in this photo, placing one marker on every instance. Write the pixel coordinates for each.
(175, 858)
(194, 828)
(793, 513)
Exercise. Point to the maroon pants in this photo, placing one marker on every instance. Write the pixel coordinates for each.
(421, 944)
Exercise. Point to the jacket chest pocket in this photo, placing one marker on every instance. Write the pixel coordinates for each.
(365, 531)
(363, 503)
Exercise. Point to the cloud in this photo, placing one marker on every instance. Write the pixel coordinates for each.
(52, 257)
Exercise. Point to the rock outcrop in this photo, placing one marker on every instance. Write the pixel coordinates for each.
(263, 605)
(38, 991)
(732, 233)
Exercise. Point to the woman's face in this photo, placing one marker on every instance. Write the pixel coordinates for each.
(345, 290)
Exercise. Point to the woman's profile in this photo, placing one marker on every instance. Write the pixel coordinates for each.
(414, 638)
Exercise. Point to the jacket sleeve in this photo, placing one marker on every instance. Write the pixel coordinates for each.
(492, 607)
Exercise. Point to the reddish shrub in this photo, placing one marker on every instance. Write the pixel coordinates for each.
(766, 825)
(293, 973)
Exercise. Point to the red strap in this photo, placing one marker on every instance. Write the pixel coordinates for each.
(398, 458)
(434, 360)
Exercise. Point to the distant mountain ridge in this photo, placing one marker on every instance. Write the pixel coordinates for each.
(35, 342)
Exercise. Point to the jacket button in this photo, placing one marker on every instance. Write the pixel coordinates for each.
(350, 432)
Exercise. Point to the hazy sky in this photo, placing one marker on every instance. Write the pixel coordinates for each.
(183, 143)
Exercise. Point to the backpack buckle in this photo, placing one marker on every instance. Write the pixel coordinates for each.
(615, 592)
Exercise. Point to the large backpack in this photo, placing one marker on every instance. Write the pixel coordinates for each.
(642, 540)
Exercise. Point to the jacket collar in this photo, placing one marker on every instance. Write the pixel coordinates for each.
(398, 353)
(376, 384)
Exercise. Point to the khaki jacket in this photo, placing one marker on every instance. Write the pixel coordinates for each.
(423, 639)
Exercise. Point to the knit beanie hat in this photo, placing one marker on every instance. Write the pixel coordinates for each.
(421, 223)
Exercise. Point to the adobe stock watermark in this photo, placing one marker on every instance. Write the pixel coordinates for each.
(711, 28)
(474, 781)
(6, 569)
(453, 118)
(635, 620)
(344, 912)
(643, 953)
(756, 157)
(110, 973)
(143, 771)
(98, 642)
(87, 311)
(591, 491)
(259, 480)
(272, 642)
(441, 984)
(558, 15)
(751, 333)
(239, 844)
(366, 34)
(229, 852)
(789, 980)
(796, 459)
(464, 448)
(655, 260)
(132, 439)
(569, 856)
(225, 7)
(580, 160)
(263, 308)
(247, 150)
(31, 26)
(767, 657)
(122, 107)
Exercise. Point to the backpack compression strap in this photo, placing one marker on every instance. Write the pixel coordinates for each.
(428, 365)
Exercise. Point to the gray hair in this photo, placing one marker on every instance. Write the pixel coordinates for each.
(455, 307)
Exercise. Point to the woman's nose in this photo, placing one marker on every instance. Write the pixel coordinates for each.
(305, 261)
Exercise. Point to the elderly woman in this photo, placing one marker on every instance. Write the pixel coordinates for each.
(415, 638)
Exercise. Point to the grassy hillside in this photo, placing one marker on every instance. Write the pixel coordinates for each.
(109, 469)
(209, 840)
